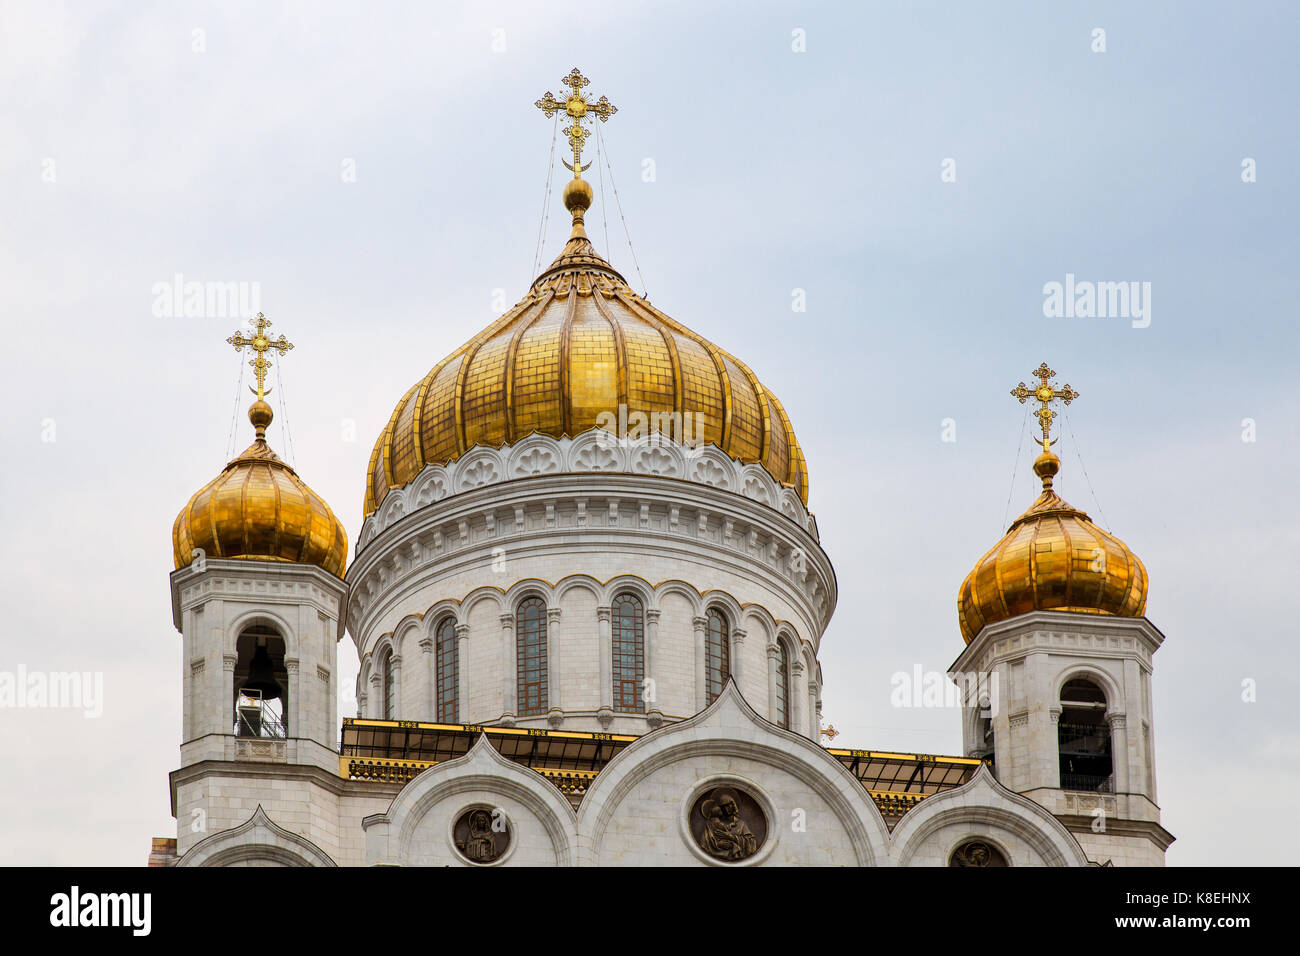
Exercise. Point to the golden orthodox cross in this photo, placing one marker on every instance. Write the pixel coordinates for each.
(260, 343)
(1046, 393)
(577, 108)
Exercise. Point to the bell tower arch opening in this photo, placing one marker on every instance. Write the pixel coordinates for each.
(1083, 738)
(261, 684)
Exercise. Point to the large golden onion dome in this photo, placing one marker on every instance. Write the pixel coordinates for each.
(1053, 558)
(258, 508)
(579, 344)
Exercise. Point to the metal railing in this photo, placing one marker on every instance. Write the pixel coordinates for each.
(1090, 783)
(1084, 738)
(254, 717)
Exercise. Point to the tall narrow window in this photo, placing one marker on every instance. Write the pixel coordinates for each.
(448, 674)
(389, 695)
(1083, 737)
(783, 685)
(627, 634)
(530, 655)
(717, 654)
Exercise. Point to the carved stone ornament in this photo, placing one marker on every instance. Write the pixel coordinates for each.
(977, 853)
(482, 835)
(728, 824)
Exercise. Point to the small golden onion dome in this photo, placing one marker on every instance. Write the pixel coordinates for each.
(1053, 558)
(259, 509)
(579, 345)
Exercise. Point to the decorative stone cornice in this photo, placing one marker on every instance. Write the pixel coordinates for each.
(593, 451)
(268, 583)
(767, 547)
(1062, 633)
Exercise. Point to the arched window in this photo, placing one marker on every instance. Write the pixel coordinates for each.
(530, 656)
(261, 682)
(783, 684)
(390, 696)
(717, 654)
(447, 667)
(627, 638)
(1083, 737)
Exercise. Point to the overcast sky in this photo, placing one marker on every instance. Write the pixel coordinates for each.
(133, 149)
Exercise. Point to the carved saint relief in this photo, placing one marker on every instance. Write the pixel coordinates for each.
(481, 836)
(728, 824)
(976, 853)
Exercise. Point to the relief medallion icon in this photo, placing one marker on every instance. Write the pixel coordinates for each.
(728, 824)
(481, 835)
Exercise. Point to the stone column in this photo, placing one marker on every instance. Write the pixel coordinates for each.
(227, 702)
(293, 714)
(462, 673)
(554, 711)
(1119, 752)
(811, 710)
(430, 672)
(214, 697)
(798, 692)
(701, 664)
(738, 656)
(1045, 752)
(606, 712)
(510, 699)
(773, 659)
(650, 692)
(376, 696)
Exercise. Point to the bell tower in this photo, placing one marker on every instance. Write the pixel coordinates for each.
(1058, 665)
(256, 595)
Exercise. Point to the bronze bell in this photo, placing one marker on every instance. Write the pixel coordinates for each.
(261, 675)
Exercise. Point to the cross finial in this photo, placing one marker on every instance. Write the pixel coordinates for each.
(1046, 393)
(577, 107)
(260, 343)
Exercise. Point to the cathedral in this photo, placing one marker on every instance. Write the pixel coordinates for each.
(588, 598)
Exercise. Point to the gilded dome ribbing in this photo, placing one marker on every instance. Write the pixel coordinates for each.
(579, 344)
(1053, 558)
(259, 509)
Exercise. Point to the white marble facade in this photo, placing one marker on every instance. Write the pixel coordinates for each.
(575, 523)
